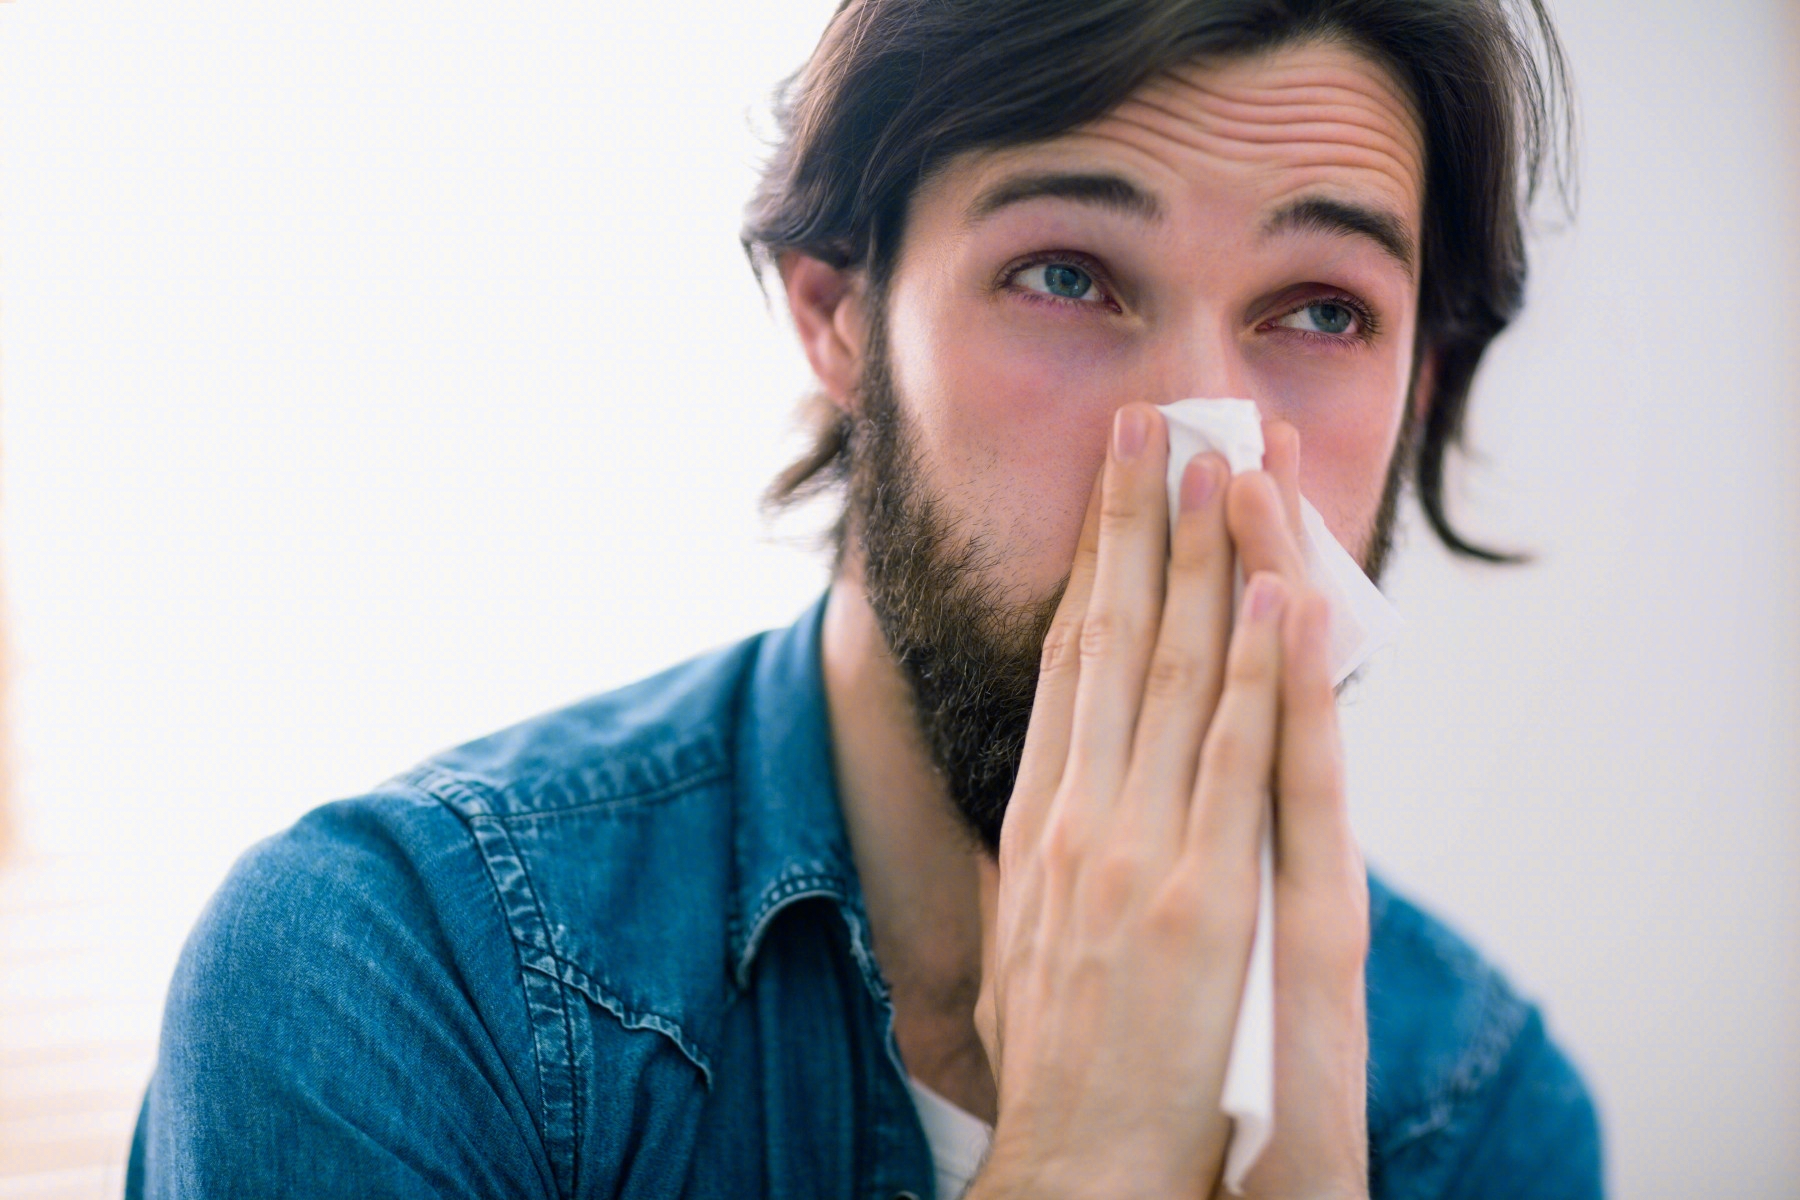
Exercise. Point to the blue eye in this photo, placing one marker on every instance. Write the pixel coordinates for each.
(1321, 316)
(1058, 279)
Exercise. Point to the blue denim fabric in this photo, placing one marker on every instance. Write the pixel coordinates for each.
(619, 950)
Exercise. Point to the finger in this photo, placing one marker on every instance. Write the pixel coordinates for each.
(1281, 458)
(1187, 667)
(1122, 615)
(987, 1000)
(1237, 756)
(1047, 734)
(1313, 839)
(1257, 521)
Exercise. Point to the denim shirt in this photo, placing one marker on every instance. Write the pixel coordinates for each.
(620, 950)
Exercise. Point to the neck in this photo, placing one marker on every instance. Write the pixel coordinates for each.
(914, 861)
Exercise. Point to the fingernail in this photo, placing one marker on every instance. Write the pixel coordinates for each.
(1130, 428)
(1198, 485)
(1263, 598)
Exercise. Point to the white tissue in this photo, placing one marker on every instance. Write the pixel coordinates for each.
(1362, 622)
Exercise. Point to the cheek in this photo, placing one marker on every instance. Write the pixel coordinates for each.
(1344, 453)
(1013, 420)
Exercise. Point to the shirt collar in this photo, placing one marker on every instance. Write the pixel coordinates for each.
(789, 840)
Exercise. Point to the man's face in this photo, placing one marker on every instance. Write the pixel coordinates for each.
(1242, 229)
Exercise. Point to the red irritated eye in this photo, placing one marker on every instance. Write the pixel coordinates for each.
(1323, 316)
(1058, 279)
(1331, 318)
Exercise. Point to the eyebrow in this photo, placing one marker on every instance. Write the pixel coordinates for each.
(1102, 190)
(1316, 214)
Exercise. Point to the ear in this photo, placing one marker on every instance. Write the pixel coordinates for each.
(830, 315)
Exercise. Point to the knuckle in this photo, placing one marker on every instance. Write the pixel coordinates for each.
(1227, 750)
(1173, 915)
(1174, 674)
(1194, 550)
(1107, 631)
(1060, 649)
(1213, 909)
(1087, 557)
(1114, 877)
(1247, 664)
(1065, 842)
(1120, 508)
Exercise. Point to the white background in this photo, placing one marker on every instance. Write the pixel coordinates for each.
(376, 375)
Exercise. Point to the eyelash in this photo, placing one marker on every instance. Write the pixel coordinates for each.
(1367, 324)
(1071, 257)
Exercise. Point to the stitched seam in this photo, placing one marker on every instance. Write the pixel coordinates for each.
(471, 802)
(478, 793)
(776, 897)
(570, 975)
(568, 1033)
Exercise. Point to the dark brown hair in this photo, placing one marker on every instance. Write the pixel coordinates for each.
(897, 87)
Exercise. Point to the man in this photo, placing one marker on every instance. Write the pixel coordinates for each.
(952, 883)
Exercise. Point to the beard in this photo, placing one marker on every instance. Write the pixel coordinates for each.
(936, 587)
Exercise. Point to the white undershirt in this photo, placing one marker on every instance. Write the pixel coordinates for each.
(958, 1139)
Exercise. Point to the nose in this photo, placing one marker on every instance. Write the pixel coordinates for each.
(1202, 360)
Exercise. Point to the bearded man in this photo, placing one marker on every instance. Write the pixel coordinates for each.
(949, 887)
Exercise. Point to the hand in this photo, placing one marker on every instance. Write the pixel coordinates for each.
(1117, 922)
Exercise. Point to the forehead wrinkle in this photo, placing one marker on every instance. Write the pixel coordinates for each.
(1247, 117)
(1277, 73)
(1149, 124)
(1235, 116)
(1314, 95)
(1298, 128)
(1151, 137)
(1325, 83)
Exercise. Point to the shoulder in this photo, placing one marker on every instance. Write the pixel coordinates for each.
(483, 921)
(606, 830)
(381, 873)
(589, 847)
(428, 853)
(1467, 1087)
(624, 747)
(327, 975)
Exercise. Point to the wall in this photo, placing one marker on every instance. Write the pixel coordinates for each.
(380, 374)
